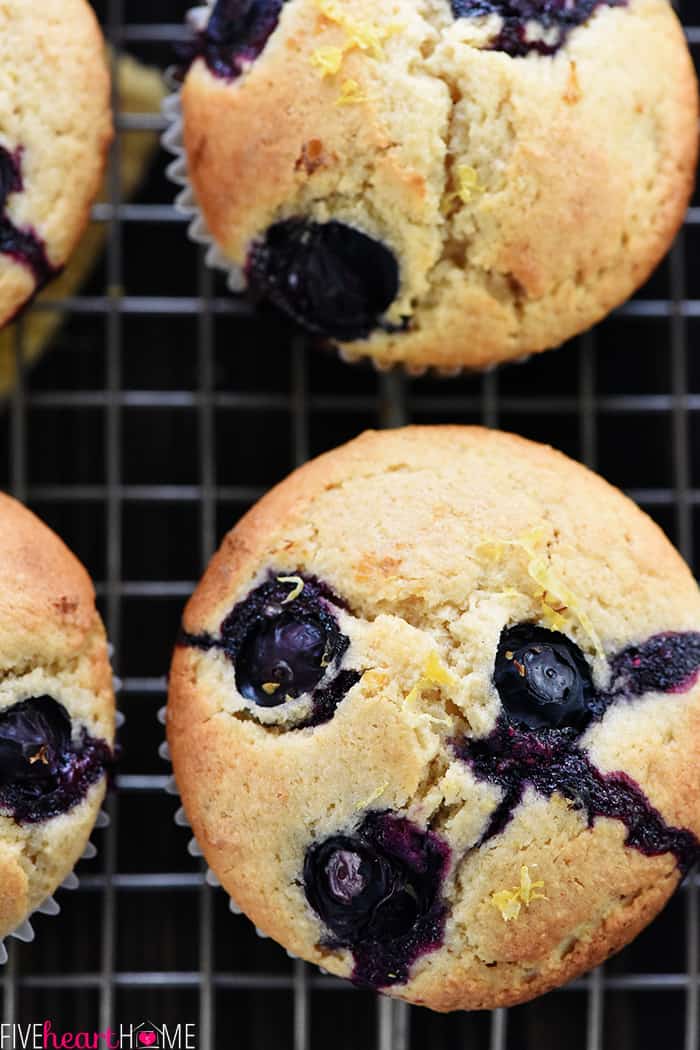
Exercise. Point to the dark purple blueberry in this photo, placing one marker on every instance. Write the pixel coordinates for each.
(328, 277)
(235, 35)
(23, 245)
(542, 678)
(378, 892)
(346, 883)
(555, 18)
(35, 736)
(284, 641)
(43, 771)
(281, 658)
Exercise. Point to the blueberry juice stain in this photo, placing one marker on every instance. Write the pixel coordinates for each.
(542, 751)
(284, 642)
(377, 890)
(44, 772)
(22, 244)
(527, 26)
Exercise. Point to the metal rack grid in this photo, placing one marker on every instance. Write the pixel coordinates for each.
(148, 429)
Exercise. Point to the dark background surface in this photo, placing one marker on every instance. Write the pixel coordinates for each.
(158, 417)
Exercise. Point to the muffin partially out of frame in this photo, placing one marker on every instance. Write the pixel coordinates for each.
(435, 716)
(55, 128)
(441, 182)
(56, 712)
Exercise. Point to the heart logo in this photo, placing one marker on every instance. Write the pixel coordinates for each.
(147, 1038)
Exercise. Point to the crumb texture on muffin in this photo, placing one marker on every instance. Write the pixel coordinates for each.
(56, 712)
(524, 645)
(518, 196)
(55, 129)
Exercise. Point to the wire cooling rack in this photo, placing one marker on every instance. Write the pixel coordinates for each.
(163, 410)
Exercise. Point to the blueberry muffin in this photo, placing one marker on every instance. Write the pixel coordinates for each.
(441, 182)
(435, 716)
(55, 128)
(56, 712)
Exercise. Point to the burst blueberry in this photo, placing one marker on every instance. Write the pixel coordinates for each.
(533, 747)
(542, 678)
(236, 34)
(35, 736)
(378, 892)
(554, 18)
(284, 642)
(282, 658)
(330, 278)
(44, 772)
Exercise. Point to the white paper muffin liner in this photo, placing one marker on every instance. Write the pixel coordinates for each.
(199, 233)
(50, 906)
(181, 820)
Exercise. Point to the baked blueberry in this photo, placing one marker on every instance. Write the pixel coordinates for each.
(281, 658)
(236, 34)
(284, 642)
(542, 678)
(532, 25)
(330, 278)
(379, 893)
(35, 737)
(43, 772)
(346, 883)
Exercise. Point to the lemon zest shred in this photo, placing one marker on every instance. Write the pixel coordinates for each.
(559, 604)
(468, 184)
(434, 673)
(350, 94)
(364, 36)
(296, 589)
(510, 902)
(328, 60)
(270, 687)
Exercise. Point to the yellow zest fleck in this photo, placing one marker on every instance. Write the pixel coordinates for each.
(327, 60)
(510, 902)
(559, 605)
(270, 687)
(331, 10)
(296, 589)
(437, 673)
(373, 797)
(434, 673)
(365, 36)
(42, 756)
(350, 94)
(468, 184)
